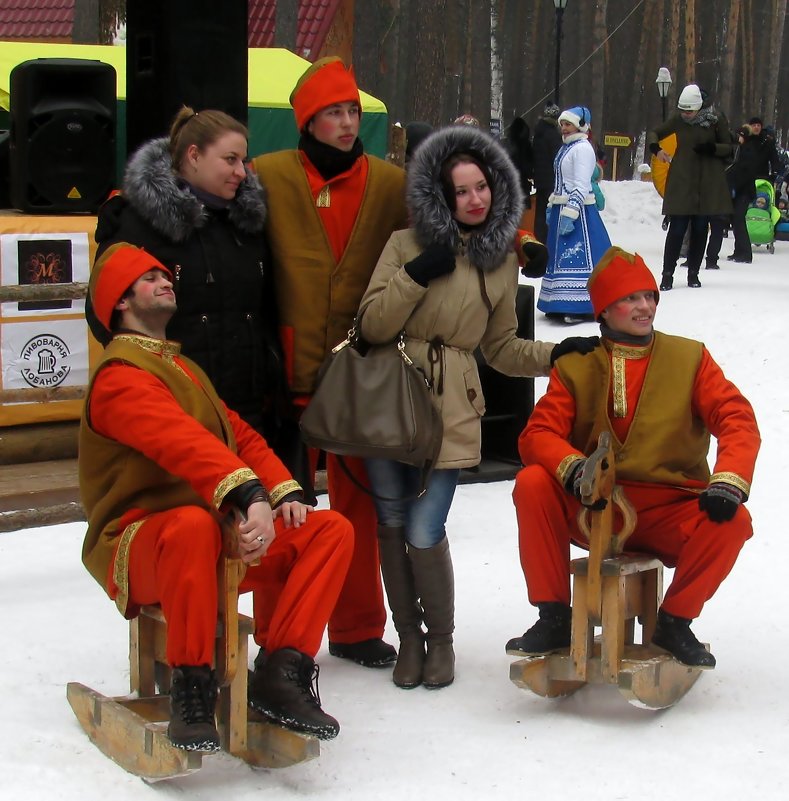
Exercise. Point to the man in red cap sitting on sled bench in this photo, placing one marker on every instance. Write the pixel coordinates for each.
(161, 459)
(660, 397)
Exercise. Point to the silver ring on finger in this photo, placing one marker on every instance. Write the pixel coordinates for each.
(260, 540)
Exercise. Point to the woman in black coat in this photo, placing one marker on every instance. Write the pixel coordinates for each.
(741, 176)
(190, 201)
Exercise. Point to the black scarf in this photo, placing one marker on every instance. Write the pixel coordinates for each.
(209, 200)
(624, 339)
(329, 161)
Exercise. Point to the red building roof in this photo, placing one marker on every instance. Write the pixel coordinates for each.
(36, 19)
(54, 19)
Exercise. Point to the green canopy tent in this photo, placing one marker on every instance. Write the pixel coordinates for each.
(273, 72)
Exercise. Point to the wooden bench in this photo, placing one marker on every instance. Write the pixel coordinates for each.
(132, 729)
(612, 592)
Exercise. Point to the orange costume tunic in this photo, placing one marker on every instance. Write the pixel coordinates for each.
(660, 403)
(159, 452)
(326, 237)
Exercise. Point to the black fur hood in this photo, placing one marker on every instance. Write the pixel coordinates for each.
(432, 219)
(151, 187)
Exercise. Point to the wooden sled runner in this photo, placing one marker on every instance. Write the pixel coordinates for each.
(612, 592)
(132, 730)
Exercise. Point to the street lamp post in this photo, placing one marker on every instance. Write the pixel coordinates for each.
(559, 5)
(663, 83)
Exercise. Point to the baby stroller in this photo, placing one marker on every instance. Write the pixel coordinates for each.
(762, 216)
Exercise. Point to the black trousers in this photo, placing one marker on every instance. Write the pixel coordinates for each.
(742, 242)
(540, 225)
(676, 232)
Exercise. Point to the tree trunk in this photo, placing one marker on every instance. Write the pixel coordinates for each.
(690, 41)
(728, 56)
(286, 23)
(774, 60)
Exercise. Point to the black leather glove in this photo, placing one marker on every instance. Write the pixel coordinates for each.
(720, 502)
(704, 148)
(573, 485)
(433, 262)
(582, 345)
(654, 148)
(536, 259)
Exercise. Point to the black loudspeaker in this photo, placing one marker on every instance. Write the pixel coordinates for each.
(183, 52)
(62, 141)
(508, 404)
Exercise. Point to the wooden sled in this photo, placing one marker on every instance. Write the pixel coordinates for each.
(132, 730)
(610, 591)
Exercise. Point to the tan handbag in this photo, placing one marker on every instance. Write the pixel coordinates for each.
(374, 402)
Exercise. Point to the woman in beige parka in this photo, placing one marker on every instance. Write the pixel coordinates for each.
(449, 283)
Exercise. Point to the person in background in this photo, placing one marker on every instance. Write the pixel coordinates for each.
(449, 283)
(696, 184)
(768, 163)
(415, 133)
(741, 175)
(577, 237)
(331, 210)
(161, 460)
(659, 397)
(188, 200)
(545, 145)
(519, 149)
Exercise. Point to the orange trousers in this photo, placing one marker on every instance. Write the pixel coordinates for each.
(670, 527)
(360, 613)
(173, 562)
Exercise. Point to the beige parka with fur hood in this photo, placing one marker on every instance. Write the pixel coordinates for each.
(472, 306)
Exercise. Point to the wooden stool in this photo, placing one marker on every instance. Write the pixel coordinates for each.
(611, 591)
(132, 730)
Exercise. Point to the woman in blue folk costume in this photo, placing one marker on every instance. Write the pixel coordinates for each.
(576, 235)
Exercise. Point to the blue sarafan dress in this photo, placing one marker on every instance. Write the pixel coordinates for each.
(572, 257)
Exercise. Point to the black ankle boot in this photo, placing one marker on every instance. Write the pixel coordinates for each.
(373, 653)
(550, 633)
(192, 702)
(666, 282)
(673, 634)
(693, 279)
(285, 689)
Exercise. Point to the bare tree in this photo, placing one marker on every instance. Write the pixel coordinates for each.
(286, 22)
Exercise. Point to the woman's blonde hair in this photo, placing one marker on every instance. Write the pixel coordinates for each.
(199, 128)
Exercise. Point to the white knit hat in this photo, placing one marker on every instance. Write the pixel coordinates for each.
(579, 116)
(690, 98)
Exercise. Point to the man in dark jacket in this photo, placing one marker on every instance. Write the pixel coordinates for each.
(741, 175)
(768, 164)
(545, 145)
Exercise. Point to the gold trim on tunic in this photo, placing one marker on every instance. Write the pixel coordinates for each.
(283, 489)
(161, 347)
(733, 479)
(120, 569)
(228, 483)
(566, 465)
(619, 356)
(323, 201)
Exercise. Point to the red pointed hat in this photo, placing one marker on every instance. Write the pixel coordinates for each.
(325, 83)
(114, 272)
(616, 275)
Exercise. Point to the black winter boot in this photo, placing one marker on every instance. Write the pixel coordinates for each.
(693, 278)
(406, 611)
(673, 634)
(192, 702)
(283, 691)
(435, 585)
(666, 282)
(372, 653)
(550, 633)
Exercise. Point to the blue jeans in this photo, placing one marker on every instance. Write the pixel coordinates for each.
(423, 518)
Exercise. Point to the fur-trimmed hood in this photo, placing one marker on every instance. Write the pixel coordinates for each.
(151, 187)
(431, 217)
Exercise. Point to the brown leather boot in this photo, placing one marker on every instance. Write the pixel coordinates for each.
(406, 612)
(435, 585)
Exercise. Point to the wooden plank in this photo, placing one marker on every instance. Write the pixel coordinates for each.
(137, 744)
(38, 442)
(42, 292)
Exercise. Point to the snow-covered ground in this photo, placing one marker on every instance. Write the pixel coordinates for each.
(481, 738)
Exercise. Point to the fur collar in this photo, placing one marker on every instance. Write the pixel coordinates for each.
(431, 219)
(151, 187)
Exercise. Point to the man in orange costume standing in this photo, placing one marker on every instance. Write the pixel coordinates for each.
(660, 397)
(332, 209)
(161, 459)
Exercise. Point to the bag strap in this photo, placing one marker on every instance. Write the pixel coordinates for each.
(423, 479)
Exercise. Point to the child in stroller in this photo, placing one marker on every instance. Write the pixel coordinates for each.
(762, 216)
